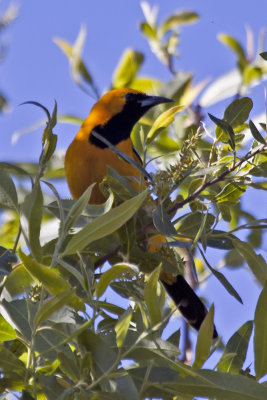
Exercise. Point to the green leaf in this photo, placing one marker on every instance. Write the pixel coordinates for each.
(236, 47)
(69, 367)
(238, 111)
(7, 258)
(264, 55)
(175, 20)
(220, 240)
(260, 336)
(18, 280)
(189, 226)
(73, 52)
(235, 351)
(122, 326)
(6, 330)
(52, 305)
(255, 133)
(204, 339)
(10, 363)
(115, 272)
(15, 312)
(127, 68)
(226, 284)
(77, 208)
(162, 122)
(8, 193)
(51, 279)
(32, 212)
(231, 192)
(255, 261)
(105, 224)
(220, 385)
(150, 296)
(226, 127)
(162, 221)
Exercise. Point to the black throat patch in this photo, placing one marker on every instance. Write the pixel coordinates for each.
(119, 127)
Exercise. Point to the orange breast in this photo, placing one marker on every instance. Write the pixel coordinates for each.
(86, 164)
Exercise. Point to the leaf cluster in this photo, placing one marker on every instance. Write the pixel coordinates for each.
(61, 336)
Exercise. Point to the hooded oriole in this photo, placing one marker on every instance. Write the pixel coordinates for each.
(87, 158)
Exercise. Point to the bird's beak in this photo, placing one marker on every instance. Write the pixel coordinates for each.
(150, 101)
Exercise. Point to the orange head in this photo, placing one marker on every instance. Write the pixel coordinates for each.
(116, 112)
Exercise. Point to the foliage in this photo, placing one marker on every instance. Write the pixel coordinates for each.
(60, 337)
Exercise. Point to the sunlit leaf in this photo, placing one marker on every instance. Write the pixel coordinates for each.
(162, 122)
(105, 224)
(50, 278)
(6, 330)
(127, 68)
(122, 326)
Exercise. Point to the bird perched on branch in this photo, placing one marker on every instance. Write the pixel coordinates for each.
(112, 118)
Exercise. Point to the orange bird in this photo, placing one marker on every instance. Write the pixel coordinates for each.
(113, 118)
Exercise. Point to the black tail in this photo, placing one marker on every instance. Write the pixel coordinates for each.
(188, 303)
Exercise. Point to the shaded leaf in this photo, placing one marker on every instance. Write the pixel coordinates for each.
(260, 336)
(151, 298)
(226, 127)
(52, 305)
(7, 258)
(8, 193)
(255, 261)
(115, 272)
(204, 339)
(235, 351)
(255, 133)
(162, 221)
(32, 212)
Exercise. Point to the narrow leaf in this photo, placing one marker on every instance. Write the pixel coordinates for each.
(235, 351)
(226, 127)
(122, 326)
(50, 278)
(226, 284)
(111, 274)
(8, 193)
(6, 330)
(204, 339)
(162, 122)
(105, 224)
(151, 298)
(255, 261)
(32, 211)
(52, 305)
(127, 68)
(260, 336)
(255, 133)
(77, 208)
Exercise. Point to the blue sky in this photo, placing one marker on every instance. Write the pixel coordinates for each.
(35, 69)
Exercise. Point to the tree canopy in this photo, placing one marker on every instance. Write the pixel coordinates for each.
(62, 335)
